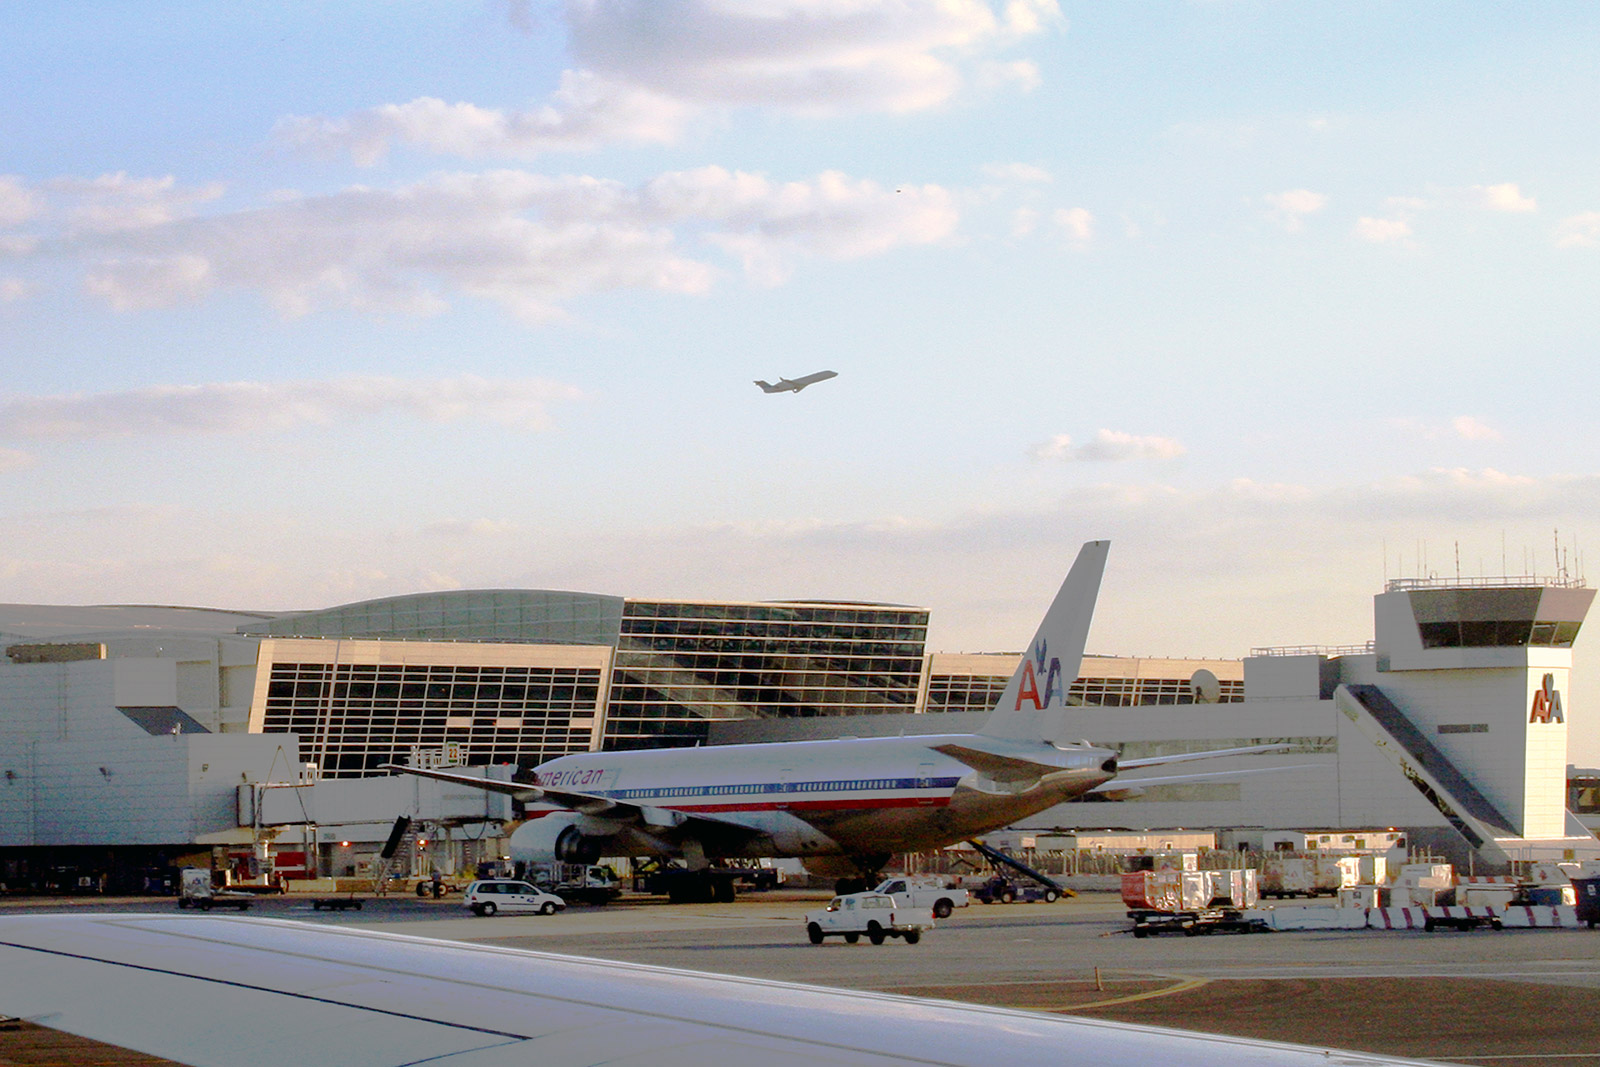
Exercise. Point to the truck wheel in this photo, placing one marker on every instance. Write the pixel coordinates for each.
(1051, 896)
(814, 933)
(205, 905)
(875, 933)
(942, 908)
(547, 908)
(422, 889)
(851, 939)
(913, 936)
(1141, 932)
(488, 907)
(184, 904)
(1008, 897)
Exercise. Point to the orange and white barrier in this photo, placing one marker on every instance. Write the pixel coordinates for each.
(1524, 917)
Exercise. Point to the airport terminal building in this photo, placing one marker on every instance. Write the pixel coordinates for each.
(146, 731)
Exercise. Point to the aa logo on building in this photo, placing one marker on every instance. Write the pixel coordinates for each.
(1547, 702)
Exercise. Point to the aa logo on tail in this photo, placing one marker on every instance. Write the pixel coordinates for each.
(1035, 667)
(1547, 702)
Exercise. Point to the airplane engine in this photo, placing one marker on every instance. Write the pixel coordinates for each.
(552, 839)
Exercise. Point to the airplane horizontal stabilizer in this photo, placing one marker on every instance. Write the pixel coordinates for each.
(1000, 768)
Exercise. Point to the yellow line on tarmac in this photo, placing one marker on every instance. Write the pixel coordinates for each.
(1177, 987)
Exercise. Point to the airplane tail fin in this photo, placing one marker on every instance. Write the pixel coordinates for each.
(766, 387)
(1034, 704)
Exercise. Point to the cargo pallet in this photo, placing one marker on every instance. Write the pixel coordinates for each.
(1192, 923)
(335, 903)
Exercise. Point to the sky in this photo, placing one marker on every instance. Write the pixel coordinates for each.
(309, 304)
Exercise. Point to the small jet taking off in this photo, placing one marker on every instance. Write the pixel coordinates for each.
(794, 385)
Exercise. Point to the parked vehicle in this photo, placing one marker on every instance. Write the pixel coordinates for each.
(874, 914)
(195, 891)
(1003, 890)
(925, 893)
(493, 896)
(596, 884)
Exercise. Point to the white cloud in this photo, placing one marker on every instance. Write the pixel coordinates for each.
(1383, 231)
(1466, 427)
(13, 290)
(1579, 231)
(12, 460)
(18, 203)
(525, 241)
(1475, 430)
(1020, 173)
(1290, 207)
(1503, 197)
(246, 407)
(1109, 446)
(641, 76)
(119, 202)
(472, 528)
(1077, 224)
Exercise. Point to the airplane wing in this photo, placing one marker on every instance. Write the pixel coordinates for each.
(1132, 785)
(242, 992)
(1185, 757)
(699, 824)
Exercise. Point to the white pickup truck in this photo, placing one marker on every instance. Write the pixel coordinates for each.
(929, 894)
(874, 914)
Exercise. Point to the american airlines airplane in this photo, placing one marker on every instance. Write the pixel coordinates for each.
(794, 385)
(843, 807)
(247, 992)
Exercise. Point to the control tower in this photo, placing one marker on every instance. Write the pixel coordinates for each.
(1467, 696)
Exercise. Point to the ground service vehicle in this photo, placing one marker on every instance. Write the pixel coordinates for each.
(589, 885)
(1002, 890)
(939, 899)
(493, 896)
(873, 914)
(195, 891)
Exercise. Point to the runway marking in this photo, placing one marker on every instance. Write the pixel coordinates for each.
(1150, 994)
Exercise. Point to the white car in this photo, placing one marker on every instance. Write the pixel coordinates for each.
(874, 914)
(494, 895)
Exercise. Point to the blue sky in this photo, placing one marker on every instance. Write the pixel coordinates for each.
(303, 304)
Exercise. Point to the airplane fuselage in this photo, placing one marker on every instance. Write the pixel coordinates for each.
(823, 798)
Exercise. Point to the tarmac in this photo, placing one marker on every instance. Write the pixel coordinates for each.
(1512, 998)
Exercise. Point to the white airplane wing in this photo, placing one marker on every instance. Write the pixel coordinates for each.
(694, 823)
(240, 992)
(1186, 757)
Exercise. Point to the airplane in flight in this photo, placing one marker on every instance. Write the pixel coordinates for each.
(844, 806)
(794, 385)
(253, 992)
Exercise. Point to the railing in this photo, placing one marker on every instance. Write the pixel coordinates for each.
(1330, 651)
(1504, 581)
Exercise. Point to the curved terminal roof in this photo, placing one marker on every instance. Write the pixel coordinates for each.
(527, 616)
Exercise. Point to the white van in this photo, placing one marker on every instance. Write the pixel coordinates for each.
(491, 896)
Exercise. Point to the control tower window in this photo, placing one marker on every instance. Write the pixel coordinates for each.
(1513, 633)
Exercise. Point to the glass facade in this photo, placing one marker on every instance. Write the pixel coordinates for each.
(679, 665)
(353, 717)
(1097, 686)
